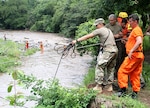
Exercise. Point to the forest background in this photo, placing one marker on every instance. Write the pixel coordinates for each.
(64, 16)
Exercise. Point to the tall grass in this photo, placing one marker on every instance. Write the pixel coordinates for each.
(146, 73)
(10, 53)
(89, 78)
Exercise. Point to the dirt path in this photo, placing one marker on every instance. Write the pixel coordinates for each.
(144, 96)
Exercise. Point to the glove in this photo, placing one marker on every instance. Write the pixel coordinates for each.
(68, 47)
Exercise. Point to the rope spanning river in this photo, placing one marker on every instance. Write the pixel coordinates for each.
(70, 73)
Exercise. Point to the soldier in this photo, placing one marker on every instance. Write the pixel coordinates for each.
(106, 59)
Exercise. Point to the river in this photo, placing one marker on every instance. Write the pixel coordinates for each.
(70, 73)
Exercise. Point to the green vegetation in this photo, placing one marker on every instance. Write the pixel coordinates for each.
(90, 77)
(10, 53)
(49, 94)
(56, 96)
(83, 29)
(146, 45)
(72, 18)
(63, 16)
(17, 98)
(146, 73)
(30, 51)
(122, 102)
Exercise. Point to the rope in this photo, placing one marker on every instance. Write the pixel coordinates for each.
(64, 54)
(64, 49)
(58, 66)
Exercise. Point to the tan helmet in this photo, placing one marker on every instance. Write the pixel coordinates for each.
(123, 14)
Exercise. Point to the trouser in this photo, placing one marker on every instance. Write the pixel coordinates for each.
(132, 68)
(120, 57)
(142, 81)
(124, 54)
(104, 71)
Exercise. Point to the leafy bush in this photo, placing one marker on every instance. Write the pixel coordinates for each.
(83, 29)
(49, 94)
(55, 96)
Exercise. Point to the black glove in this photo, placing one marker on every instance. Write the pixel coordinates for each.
(68, 47)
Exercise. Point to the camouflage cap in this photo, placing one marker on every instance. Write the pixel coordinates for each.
(99, 21)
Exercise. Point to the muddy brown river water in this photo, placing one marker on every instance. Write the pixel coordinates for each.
(70, 73)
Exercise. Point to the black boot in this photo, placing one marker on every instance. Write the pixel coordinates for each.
(134, 95)
(122, 92)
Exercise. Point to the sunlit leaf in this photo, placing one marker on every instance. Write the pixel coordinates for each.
(14, 75)
(9, 89)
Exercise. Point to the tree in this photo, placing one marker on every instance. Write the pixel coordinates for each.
(40, 17)
(13, 14)
(63, 16)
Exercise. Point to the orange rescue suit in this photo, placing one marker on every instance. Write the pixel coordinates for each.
(132, 67)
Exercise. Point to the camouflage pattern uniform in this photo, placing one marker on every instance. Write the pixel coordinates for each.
(106, 60)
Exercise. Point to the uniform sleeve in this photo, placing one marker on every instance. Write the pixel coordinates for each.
(138, 32)
(97, 32)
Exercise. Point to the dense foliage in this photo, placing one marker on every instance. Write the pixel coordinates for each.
(82, 30)
(49, 94)
(63, 16)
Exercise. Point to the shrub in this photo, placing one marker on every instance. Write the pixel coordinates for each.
(83, 29)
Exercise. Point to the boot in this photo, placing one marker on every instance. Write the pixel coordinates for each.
(122, 92)
(98, 88)
(134, 95)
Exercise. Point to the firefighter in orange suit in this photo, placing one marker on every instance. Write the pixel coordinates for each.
(132, 65)
(124, 15)
(41, 47)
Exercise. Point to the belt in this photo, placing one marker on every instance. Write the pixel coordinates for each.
(138, 51)
(107, 45)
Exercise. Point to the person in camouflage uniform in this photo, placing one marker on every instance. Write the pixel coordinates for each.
(106, 60)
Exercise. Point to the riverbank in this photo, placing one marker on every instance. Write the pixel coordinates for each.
(43, 65)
